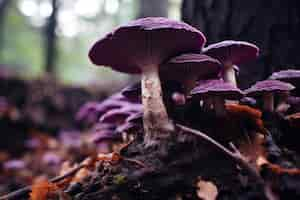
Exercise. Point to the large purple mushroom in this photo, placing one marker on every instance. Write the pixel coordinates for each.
(232, 53)
(139, 48)
(188, 68)
(266, 89)
(218, 90)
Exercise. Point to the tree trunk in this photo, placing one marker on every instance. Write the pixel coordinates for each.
(153, 8)
(4, 4)
(273, 27)
(51, 39)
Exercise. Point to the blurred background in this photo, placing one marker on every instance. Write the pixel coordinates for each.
(53, 36)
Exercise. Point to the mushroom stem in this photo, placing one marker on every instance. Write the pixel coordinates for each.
(219, 105)
(229, 74)
(282, 105)
(189, 83)
(207, 102)
(155, 119)
(268, 104)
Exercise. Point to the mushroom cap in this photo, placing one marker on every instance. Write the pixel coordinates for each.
(144, 42)
(14, 165)
(85, 110)
(103, 126)
(127, 127)
(132, 92)
(116, 116)
(290, 76)
(109, 104)
(217, 88)
(267, 86)
(187, 64)
(236, 52)
(136, 118)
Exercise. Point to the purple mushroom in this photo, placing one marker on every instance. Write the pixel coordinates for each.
(51, 158)
(133, 92)
(118, 116)
(232, 53)
(291, 76)
(218, 90)
(136, 118)
(87, 112)
(129, 130)
(103, 126)
(14, 165)
(149, 42)
(188, 68)
(266, 89)
(105, 139)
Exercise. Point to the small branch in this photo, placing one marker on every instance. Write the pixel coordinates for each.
(235, 154)
(24, 191)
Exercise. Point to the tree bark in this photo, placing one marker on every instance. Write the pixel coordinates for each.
(153, 8)
(51, 39)
(4, 4)
(273, 27)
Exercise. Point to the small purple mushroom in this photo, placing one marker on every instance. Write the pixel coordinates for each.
(188, 68)
(118, 116)
(232, 53)
(136, 118)
(133, 92)
(267, 89)
(14, 165)
(129, 130)
(291, 76)
(149, 42)
(105, 139)
(218, 90)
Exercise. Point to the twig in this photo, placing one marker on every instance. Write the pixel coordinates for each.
(24, 191)
(235, 154)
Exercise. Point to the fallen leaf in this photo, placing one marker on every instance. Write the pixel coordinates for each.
(207, 190)
(42, 190)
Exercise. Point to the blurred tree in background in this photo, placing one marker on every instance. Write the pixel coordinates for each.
(272, 25)
(38, 36)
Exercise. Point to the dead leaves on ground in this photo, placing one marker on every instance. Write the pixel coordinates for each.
(206, 190)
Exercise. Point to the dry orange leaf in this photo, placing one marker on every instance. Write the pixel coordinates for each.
(246, 113)
(80, 175)
(111, 157)
(42, 190)
(207, 190)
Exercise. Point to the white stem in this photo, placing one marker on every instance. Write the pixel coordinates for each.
(219, 105)
(268, 104)
(156, 121)
(207, 102)
(229, 74)
(283, 96)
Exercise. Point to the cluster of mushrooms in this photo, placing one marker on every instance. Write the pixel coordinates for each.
(176, 69)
